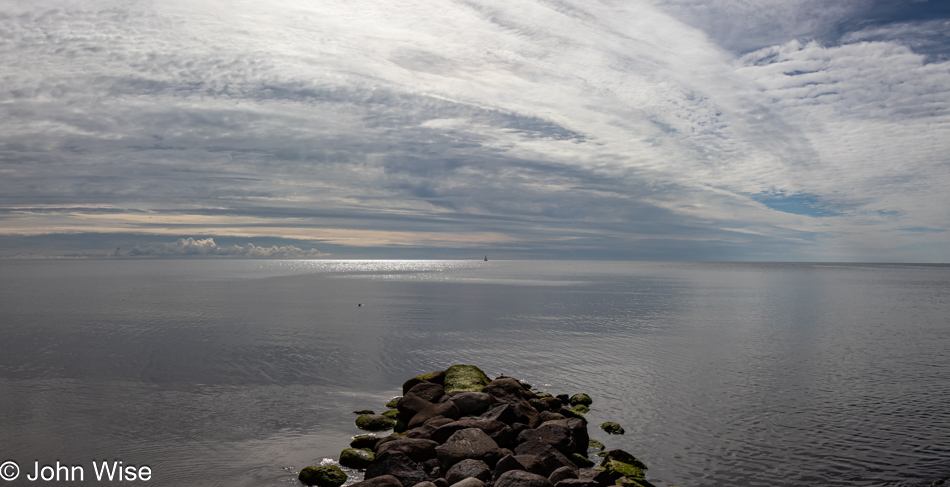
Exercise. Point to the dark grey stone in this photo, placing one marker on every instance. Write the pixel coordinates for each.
(427, 390)
(399, 465)
(468, 468)
(472, 403)
(467, 443)
(519, 478)
(562, 473)
(417, 449)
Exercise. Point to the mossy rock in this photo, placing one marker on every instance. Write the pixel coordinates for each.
(392, 403)
(364, 441)
(326, 476)
(623, 457)
(580, 408)
(392, 414)
(612, 428)
(464, 378)
(628, 482)
(572, 413)
(592, 443)
(581, 460)
(564, 398)
(358, 458)
(374, 422)
(438, 376)
(364, 411)
(544, 394)
(581, 399)
(400, 428)
(618, 469)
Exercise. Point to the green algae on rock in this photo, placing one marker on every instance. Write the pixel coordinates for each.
(464, 378)
(356, 457)
(580, 408)
(581, 399)
(326, 476)
(612, 428)
(592, 443)
(374, 422)
(364, 441)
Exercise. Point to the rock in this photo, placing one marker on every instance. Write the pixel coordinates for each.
(550, 456)
(562, 473)
(427, 390)
(580, 460)
(467, 443)
(358, 458)
(628, 482)
(437, 377)
(468, 482)
(392, 414)
(533, 464)
(423, 432)
(598, 476)
(552, 403)
(506, 464)
(553, 433)
(374, 422)
(392, 402)
(325, 476)
(438, 421)
(581, 399)
(468, 468)
(496, 430)
(440, 482)
(519, 478)
(612, 428)
(425, 484)
(592, 443)
(364, 441)
(550, 416)
(472, 403)
(399, 465)
(623, 457)
(409, 406)
(444, 409)
(578, 429)
(381, 481)
(464, 378)
(580, 408)
(418, 450)
(364, 411)
(577, 483)
(564, 398)
(570, 413)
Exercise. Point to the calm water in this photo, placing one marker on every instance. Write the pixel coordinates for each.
(239, 373)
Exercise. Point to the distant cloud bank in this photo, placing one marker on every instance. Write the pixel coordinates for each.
(190, 247)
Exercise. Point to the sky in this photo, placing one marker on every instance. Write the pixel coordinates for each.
(723, 130)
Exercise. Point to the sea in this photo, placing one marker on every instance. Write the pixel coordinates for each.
(242, 372)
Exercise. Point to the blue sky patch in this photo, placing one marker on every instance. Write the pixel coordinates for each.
(798, 204)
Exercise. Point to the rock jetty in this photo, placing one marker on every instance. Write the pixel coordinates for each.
(456, 427)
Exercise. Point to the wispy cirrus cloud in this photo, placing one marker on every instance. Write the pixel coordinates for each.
(541, 127)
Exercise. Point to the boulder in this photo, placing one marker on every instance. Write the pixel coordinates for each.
(374, 422)
(552, 403)
(533, 464)
(612, 428)
(469, 482)
(550, 456)
(581, 399)
(507, 463)
(417, 449)
(580, 460)
(577, 483)
(444, 409)
(467, 443)
(325, 476)
(519, 478)
(468, 468)
(598, 476)
(427, 390)
(553, 433)
(472, 403)
(624, 457)
(381, 481)
(592, 443)
(464, 378)
(364, 441)
(399, 465)
(358, 458)
(578, 429)
(550, 416)
(496, 430)
(560, 474)
(409, 406)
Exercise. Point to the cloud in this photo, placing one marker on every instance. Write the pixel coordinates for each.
(526, 124)
(189, 247)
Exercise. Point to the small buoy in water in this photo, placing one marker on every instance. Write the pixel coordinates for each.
(359, 304)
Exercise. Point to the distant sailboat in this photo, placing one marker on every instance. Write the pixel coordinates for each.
(486, 258)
